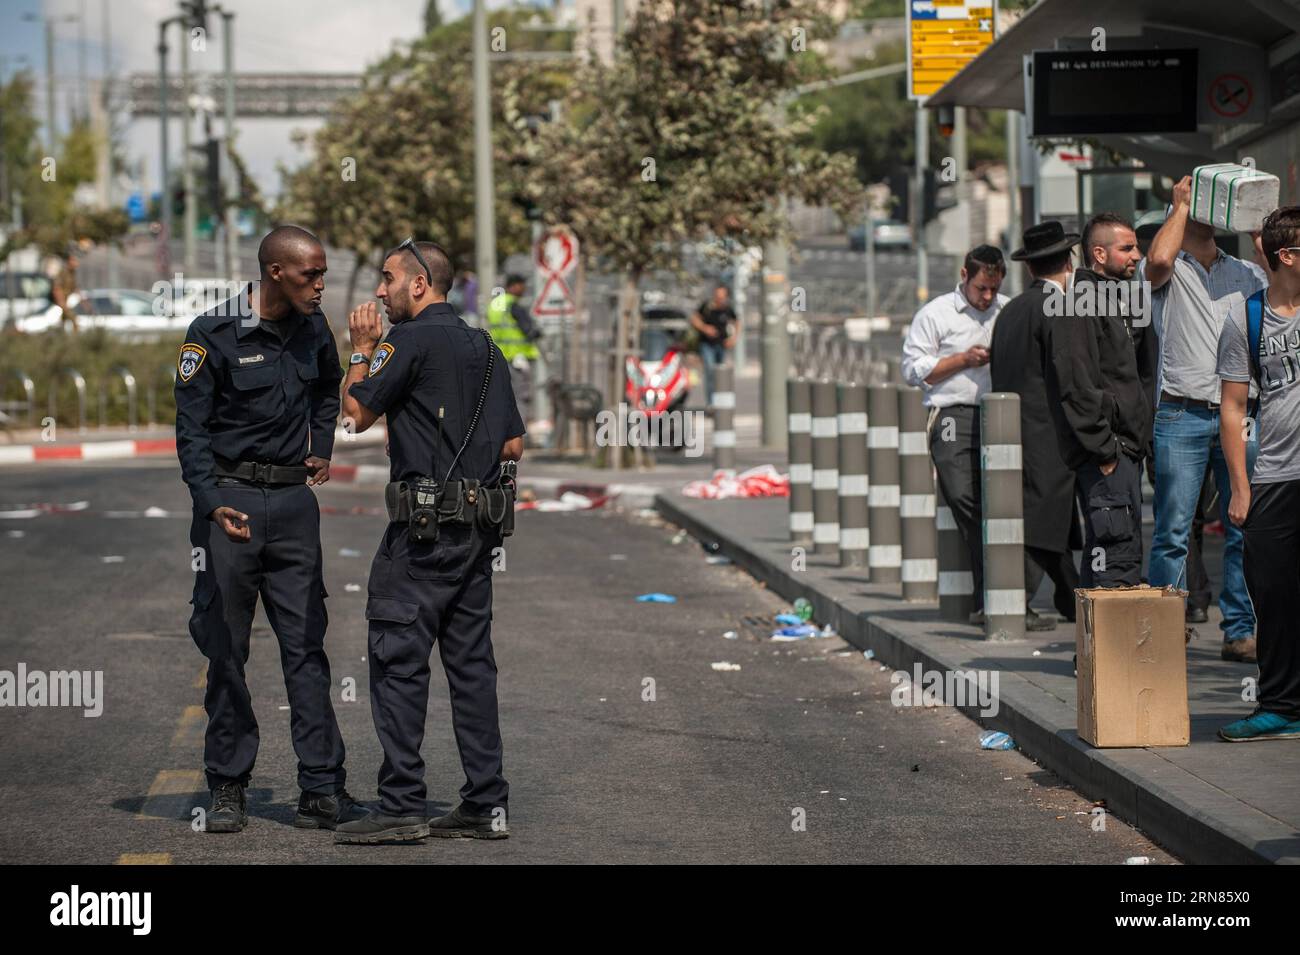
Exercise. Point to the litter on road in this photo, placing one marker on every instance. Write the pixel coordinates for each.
(995, 739)
(349, 552)
(657, 599)
(762, 481)
(568, 501)
(724, 665)
(113, 559)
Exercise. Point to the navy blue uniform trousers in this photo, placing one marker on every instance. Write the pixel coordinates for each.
(282, 564)
(419, 595)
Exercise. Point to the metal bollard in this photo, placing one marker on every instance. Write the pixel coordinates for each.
(79, 383)
(122, 373)
(724, 416)
(28, 386)
(885, 555)
(852, 422)
(799, 420)
(916, 505)
(826, 475)
(1003, 518)
(956, 582)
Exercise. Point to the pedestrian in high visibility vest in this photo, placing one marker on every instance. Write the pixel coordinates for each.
(515, 333)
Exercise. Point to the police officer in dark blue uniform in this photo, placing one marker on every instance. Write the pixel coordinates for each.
(454, 436)
(256, 403)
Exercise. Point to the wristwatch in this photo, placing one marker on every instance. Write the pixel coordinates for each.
(359, 358)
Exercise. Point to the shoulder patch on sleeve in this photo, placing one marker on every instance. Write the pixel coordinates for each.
(380, 358)
(190, 360)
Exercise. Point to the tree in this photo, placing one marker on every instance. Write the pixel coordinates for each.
(432, 18)
(684, 137)
(397, 159)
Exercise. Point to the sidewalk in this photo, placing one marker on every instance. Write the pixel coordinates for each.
(1210, 802)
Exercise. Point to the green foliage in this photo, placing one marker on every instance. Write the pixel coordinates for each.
(409, 136)
(94, 353)
(682, 138)
(51, 219)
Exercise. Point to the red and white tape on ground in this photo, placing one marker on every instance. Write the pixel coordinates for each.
(762, 481)
(133, 448)
(87, 451)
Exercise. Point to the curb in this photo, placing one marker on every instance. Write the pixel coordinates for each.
(134, 448)
(1172, 811)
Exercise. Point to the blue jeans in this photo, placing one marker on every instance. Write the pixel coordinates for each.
(1186, 440)
(712, 354)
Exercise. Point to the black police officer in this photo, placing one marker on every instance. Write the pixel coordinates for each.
(428, 376)
(256, 402)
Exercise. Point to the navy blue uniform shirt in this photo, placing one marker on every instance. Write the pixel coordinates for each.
(433, 361)
(244, 392)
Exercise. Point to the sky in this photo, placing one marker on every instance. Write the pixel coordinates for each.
(326, 36)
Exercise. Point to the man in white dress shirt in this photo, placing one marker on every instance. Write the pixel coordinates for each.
(946, 355)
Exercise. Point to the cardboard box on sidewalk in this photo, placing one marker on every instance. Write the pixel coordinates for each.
(1132, 681)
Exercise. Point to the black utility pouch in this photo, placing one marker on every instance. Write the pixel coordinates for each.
(426, 498)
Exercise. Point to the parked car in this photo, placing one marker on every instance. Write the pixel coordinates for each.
(129, 313)
(887, 233)
(23, 294)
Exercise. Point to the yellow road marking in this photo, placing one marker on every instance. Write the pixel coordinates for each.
(201, 681)
(193, 723)
(172, 794)
(145, 858)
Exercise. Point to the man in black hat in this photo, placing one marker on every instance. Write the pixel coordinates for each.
(1020, 362)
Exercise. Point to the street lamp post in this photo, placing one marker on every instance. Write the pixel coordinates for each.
(50, 134)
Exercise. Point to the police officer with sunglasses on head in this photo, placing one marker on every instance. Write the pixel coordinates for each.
(454, 436)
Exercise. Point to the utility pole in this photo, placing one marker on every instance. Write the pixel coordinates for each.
(485, 231)
(83, 94)
(918, 206)
(1014, 274)
(776, 303)
(232, 174)
(165, 205)
(190, 220)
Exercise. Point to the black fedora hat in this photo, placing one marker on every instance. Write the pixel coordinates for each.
(1046, 238)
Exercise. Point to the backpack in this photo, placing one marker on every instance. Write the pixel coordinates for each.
(1254, 337)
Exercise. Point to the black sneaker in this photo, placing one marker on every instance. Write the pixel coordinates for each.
(229, 811)
(327, 811)
(1197, 615)
(460, 823)
(378, 827)
(1035, 622)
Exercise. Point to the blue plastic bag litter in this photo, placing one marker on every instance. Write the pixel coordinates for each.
(995, 739)
(789, 619)
(657, 599)
(800, 632)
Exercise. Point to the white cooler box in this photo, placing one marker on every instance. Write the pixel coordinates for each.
(1232, 197)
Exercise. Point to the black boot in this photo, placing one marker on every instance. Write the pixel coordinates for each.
(229, 811)
(326, 811)
(379, 827)
(460, 823)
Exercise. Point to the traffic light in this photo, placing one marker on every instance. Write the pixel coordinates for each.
(196, 13)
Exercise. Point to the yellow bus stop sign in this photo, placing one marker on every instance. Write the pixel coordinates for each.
(942, 37)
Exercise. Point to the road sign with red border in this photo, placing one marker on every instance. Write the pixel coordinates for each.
(556, 258)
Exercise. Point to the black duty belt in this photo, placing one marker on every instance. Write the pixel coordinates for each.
(257, 473)
(425, 503)
(1188, 402)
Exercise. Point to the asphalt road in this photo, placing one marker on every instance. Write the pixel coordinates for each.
(715, 769)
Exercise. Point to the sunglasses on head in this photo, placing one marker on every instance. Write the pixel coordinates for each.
(409, 244)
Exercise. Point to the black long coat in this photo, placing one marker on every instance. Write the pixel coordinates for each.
(1020, 355)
